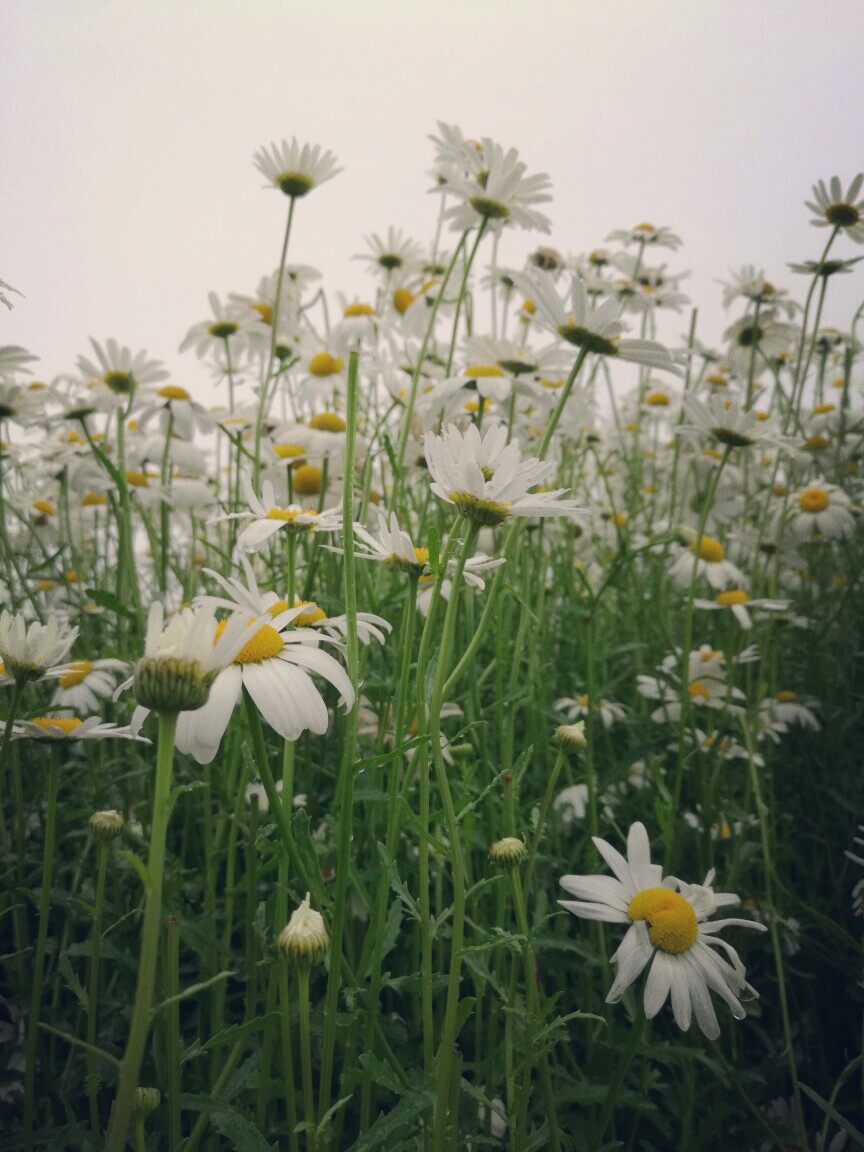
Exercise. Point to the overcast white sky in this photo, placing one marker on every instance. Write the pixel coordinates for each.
(128, 192)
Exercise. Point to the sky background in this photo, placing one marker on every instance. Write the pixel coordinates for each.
(128, 191)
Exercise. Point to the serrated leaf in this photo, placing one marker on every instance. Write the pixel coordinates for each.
(397, 883)
(240, 1129)
(72, 982)
(388, 1124)
(230, 1035)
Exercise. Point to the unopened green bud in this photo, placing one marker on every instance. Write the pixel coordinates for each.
(107, 825)
(572, 736)
(146, 1101)
(509, 852)
(304, 940)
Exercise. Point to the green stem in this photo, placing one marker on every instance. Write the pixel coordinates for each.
(41, 941)
(559, 408)
(93, 994)
(345, 782)
(175, 1131)
(306, 1058)
(121, 1115)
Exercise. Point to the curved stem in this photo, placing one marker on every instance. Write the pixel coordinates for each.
(93, 992)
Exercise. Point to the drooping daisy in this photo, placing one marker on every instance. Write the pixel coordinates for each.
(821, 510)
(834, 209)
(86, 684)
(488, 480)
(597, 329)
(35, 651)
(669, 933)
(293, 169)
(269, 518)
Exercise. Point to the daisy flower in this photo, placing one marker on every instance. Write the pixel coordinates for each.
(706, 686)
(498, 193)
(393, 545)
(727, 422)
(395, 253)
(65, 729)
(268, 518)
(85, 684)
(740, 604)
(832, 209)
(769, 337)
(824, 510)
(647, 234)
(749, 284)
(488, 480)
(578, 708)
(787, 708)
(118, 370)
(229, 322)
(585, 327)
(275, 667)
(669, 934)
(31, 653)
(14, 359)
(19, 403)
(293, 169)
(710, 562)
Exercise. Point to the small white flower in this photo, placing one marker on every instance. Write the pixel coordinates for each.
(834, 209)
(31, 653)
(293, 169)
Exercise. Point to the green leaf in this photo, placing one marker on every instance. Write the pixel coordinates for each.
(109, 600)
(397, 883)
(80, 1044)
(140, 867)
(230, 1035)
(240, 1129)
(192, 990)
(391, 1123)
(850, 1130)
(72, 982)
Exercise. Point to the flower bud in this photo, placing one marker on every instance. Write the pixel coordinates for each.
(507, 853)
(146, 1101)
(304, 940)
(571, 736)
(107, 825)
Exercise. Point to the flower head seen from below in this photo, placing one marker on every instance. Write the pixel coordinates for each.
(35, 651)
(295, 169)
(183, 656)
(489, 480)
(64, 729)
(116, 369)
(669, 933)
(587, 328)
(498, 193)
(268, 518)
(832, 208)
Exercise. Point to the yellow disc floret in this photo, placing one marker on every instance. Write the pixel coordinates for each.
(67, 723)
(733, 596)
(814, 500)
(710, 550)
(327, 422)
(697, 690)
(306, 619)
(264, 645)
(307, 480)
(671, 921)
(323, 364)
(78, 670)
(173, 392)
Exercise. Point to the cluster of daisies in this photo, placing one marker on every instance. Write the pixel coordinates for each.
(726, 476)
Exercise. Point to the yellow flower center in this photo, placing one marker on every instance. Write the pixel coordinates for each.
(293, 184)
(644, 228)
(786, 696)
(733, 596)
(307, 619)
(717, 381)
(264, 645)
(583, 701)
(45, 507)
(821, 409)
(814, 500)
(288, 451)
(710, 550)
(67, 723)
(289, 513)
(78, 670)
(671, 921)
(478, 370)
(94, 500)
(327, 422)
(173, 392)
(45, 585)
(697, 690)
(264, 311)
(402, 300)
(657, 400)
(137, 479)
(323, 364)
(421, 555)
(307, 480)
(359, 310)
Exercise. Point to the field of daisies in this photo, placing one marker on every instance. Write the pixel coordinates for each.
(451, 740)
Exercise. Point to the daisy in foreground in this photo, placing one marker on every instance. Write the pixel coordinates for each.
(668, 934)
